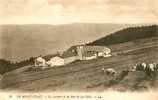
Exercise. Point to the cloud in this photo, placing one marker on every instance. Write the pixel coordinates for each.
(67, 11)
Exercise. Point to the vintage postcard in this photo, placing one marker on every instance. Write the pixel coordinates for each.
(78, 50)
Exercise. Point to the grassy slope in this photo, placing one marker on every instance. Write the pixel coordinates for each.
(89, 71)
(87, 75)
(25, 42)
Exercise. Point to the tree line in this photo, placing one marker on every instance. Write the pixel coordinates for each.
(6, 65)
(128, 34)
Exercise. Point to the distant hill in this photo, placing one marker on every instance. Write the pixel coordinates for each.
(128, 34)
(19, 42)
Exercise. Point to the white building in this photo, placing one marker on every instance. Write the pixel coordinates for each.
(40, 62)
(55, 61)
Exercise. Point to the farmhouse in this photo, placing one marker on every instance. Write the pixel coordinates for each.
(85, 52)
(55, 61)
(92, 52)
(59, 61)
(79, 52)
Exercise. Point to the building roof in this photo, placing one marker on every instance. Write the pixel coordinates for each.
(96, 48)
(56, 58)
(48, 57)
(70, 52)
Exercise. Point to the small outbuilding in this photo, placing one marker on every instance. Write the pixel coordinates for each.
(40, 62)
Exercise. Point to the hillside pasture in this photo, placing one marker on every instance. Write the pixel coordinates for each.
(87, 75)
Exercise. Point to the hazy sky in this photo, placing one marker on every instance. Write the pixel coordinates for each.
(70, 11)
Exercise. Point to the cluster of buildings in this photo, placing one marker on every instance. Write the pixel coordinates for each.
(79, 52)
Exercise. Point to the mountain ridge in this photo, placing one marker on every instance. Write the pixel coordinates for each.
(127, 34)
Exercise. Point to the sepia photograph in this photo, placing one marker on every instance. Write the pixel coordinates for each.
(77, 50)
